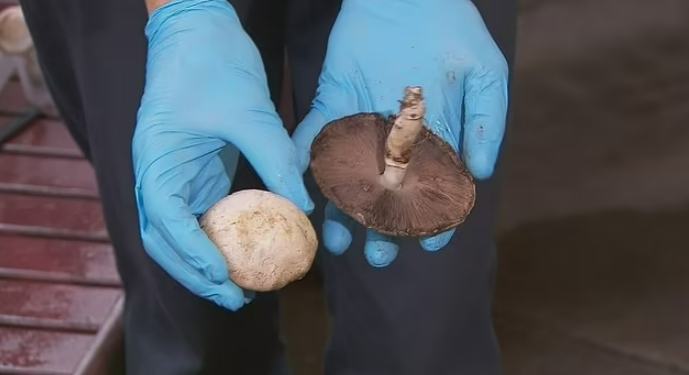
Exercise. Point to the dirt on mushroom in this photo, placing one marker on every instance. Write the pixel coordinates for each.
(266, 240)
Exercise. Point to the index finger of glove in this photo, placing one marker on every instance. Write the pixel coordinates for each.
(225, 294)
(485, 104)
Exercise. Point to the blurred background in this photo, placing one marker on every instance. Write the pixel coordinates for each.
(593, 240)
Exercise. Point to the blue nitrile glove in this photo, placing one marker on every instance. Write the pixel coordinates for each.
(205, 89)
(376, 49)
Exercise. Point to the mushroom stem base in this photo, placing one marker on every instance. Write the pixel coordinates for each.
(392, 177)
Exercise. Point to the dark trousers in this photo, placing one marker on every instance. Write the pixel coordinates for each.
(426, 314)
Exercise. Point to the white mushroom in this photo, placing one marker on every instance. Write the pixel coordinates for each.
(267, 241)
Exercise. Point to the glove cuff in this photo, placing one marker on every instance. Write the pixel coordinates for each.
(177, 8)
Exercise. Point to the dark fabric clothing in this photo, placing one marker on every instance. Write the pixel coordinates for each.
(93, 56)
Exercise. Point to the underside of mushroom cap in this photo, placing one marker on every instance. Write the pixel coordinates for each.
(347, 161)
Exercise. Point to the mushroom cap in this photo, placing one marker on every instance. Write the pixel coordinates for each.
(347, 161)
(266, 240)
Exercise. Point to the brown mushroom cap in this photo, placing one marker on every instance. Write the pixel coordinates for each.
(347, 160)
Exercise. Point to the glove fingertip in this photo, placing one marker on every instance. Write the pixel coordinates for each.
(249, 296)
(479, 162)
(202, 254)
(337, 229)
(437, 242)
(302, 196)
(380, 251)
(225, 294)
(336, 237)
(216, 275)
(296, 192)
(230, 296)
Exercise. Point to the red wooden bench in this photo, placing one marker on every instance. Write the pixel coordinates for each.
(60, 296)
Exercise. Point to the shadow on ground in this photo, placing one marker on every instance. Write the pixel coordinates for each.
(601, 294)
(596, 294)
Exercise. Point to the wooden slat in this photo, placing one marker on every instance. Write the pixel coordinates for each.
(47, 172)
(60, 297)
(73, 262)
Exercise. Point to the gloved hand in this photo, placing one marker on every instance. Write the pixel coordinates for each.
(205, 89)
(376, 49)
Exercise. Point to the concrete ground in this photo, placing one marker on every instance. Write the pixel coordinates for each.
(592, 273)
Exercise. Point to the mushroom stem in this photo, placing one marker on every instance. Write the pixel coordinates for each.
(405, 129)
